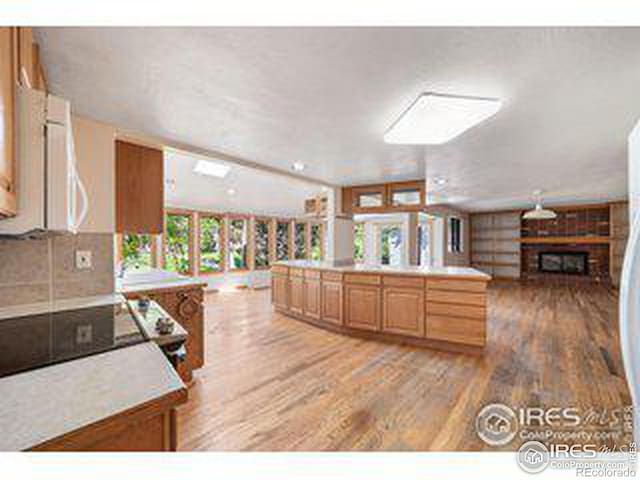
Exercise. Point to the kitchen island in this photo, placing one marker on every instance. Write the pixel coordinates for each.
(437, 307)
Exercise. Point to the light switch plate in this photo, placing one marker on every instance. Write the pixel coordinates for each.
(83, 259)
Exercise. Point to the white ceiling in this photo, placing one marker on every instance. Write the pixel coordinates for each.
(325, 96)
(256, 192)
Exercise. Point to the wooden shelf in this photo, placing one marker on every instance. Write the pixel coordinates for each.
(494, 252)
(497, 264)
(567, 240)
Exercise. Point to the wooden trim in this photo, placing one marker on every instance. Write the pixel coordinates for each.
(580, 240)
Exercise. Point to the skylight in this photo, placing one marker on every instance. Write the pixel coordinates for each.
(211, 169)
(436, 118)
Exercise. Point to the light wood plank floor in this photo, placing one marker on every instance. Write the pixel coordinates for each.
(274, 383)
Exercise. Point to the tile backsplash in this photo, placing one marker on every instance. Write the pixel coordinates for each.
(39, 270)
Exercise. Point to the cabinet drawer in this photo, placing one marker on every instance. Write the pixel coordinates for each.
(362, 279)
(332, 276)
(402, 281)
(457, 285)
(296, 272)
(279, 269)
(315, 274)
(450, 310)
(456, 330)
(460, 298)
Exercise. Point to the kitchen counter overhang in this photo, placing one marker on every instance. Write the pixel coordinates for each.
(436, 307)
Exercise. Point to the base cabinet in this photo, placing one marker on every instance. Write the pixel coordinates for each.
(296, 295)
(403, 311)
(279, 287)
(312, 296)
(332, 302)
(362, 307)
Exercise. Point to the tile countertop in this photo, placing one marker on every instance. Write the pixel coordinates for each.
(59, 305)
(453, 272)
(45, 403)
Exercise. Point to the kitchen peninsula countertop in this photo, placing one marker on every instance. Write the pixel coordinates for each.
(49, 402)
(465, 273)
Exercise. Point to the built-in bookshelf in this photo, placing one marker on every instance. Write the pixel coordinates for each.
(495, 243)
(619, 231)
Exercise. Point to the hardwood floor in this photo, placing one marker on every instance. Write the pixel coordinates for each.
(274, 383)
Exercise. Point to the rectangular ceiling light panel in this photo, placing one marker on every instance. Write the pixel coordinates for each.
(435, 118)
(205, 167)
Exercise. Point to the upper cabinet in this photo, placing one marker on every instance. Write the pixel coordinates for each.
(8, 159)
(384, 198)
(139, 189)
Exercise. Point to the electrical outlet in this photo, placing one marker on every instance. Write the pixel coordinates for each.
(83, 259)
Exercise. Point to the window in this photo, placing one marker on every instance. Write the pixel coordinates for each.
(301, 240)
(423, 244)
(402, 197)
(262, 243)
(316, 241)
(137, 250)
(211, 242)
(177, 247)
(390, 245)
(237, 244)
(455, 235)
(370, 199)
(358, 242)
(282, 241)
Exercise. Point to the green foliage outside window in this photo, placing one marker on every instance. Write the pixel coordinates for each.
(390, 239)
(210, 244)
(176, 257)
(262, 243)
(282, 241)
(300, 238)
(237, 244)
(136, 250)
(358, 242)
(316, 241)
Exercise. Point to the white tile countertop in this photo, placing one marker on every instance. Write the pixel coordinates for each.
(453, 272)
(43, 404)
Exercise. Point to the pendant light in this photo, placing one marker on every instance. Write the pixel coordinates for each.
(539, 213)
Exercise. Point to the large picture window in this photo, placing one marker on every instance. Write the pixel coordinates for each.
(282, 240)
(301, 240)
(137, 250)
(262, 243)
(316, 241)
(177, 243)
(358, 242)
(211, 244)
(237, 244)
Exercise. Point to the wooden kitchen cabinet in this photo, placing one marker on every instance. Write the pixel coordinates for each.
(403, 311)
(279, 288)
(362, 306)
(296, 295)
(332, 302)
(312, 296)
(139, 189)
(8, 157)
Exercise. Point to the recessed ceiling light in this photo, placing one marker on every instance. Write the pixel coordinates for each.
(440, 181)
(231, 191)
(298, 167)
(435, 118)
(211, 169)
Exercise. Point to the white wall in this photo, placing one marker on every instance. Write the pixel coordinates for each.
(634, 172)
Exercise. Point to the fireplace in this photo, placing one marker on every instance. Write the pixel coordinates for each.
(574, 263)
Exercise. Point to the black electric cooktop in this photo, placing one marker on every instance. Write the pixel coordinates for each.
(34, 341)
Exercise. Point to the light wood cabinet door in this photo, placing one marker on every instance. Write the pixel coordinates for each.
(279, 287)
(139, 189)
(332, 302)
(312, 296)
(8, 159)
(362, 307)
(403, 311)
(296, 295)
